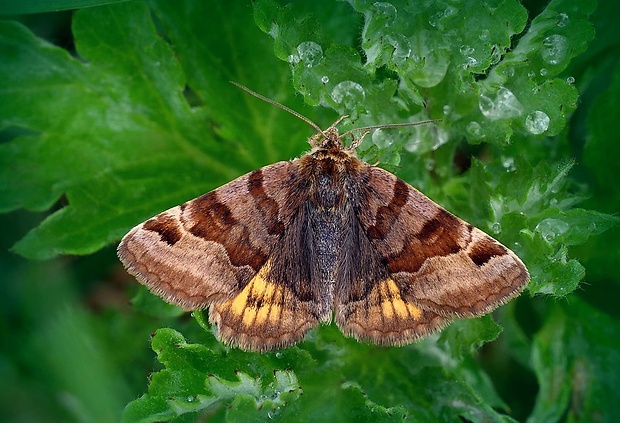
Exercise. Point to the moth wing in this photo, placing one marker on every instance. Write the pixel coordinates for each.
(435, 266)
(214, 252)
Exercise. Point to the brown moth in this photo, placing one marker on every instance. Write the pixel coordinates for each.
(326, 236)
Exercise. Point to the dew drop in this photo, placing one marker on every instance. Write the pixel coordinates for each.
(544, 72)
(551, 228)
(485, 34)
(293, 59)
(417, 59)
(486, 105)
(504, 106)
(570, 80)
(509, 71)
(531, 74)
(278, 354)
(474, 129)
(191, 398)
(537, 122)
(507, 103)
(325, 79)
(310, 53)
(381, 139)
(388, 12)
(509, 164)
(496, 54)
(429, 164)
(555, 49)
(435, 19)
(466, 50)
(425, 138)
(450, 11)
(402, 48)
(470, 62)
(348, 94)
(562, 19)
(496, 227)
(447, 109)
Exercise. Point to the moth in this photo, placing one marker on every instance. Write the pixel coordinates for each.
(323, 237)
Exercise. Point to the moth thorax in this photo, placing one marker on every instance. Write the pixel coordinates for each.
(328, 193)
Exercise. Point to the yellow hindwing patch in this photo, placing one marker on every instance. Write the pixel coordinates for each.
(257, 304)
(392, 303)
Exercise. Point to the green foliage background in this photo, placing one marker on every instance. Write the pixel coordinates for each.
(113, 113)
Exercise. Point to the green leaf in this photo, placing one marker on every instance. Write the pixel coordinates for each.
(186, 386)
(573, 355)
(113, 132)
(531, 211)
(464, 336)
(8, 7)
(341, 381)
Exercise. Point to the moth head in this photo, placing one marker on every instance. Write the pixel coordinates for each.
(327, 139)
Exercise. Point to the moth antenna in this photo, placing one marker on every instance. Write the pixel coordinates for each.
(357, 141)
(340, 119)
(389, 125)
(281, 106)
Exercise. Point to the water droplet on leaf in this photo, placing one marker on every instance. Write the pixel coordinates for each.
(551, 228)
(402, 48)
(496, 227)
(562, 19)
(426, 138)
(348, 94)
(474, 129)
(470, 62)
(387, 10)
(504, 106)
(509, 71)
(435, 19)
(537, 122)
(310, 53)
(555, 49)
(324, 79)
(570, 80)
(381, 139)
(509, 164)
(496, 54)
(466, 50)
